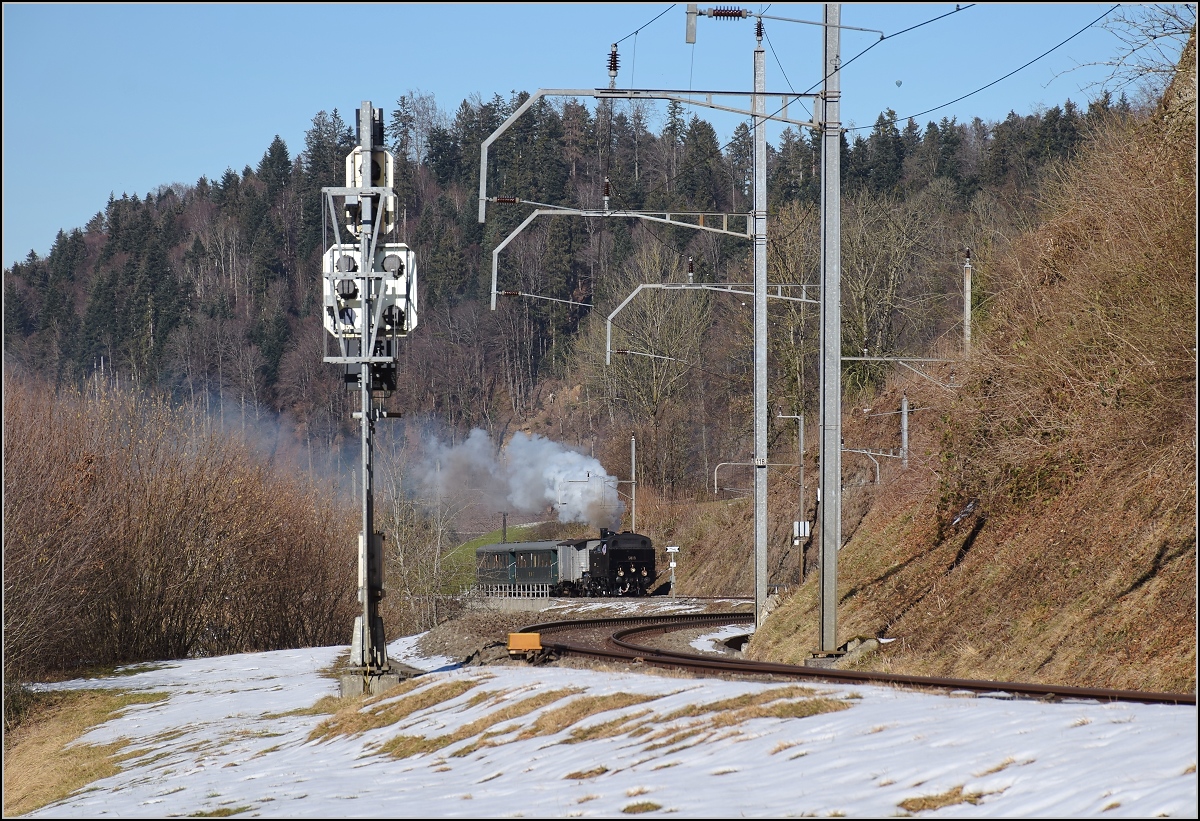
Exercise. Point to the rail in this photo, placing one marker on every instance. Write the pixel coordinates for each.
(621, 649)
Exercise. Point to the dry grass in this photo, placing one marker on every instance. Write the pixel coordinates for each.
(672, 739)
(780, 702)
(553, 721)
(222, 812)
(41, 763)
(1075, 433)
(742, 702)
(640, 807)
(404, 746)
(936, 802)
(579, 775)
(354, 717)
(380, 711)
(1046, 527)
(622, 725)
(1003, 765)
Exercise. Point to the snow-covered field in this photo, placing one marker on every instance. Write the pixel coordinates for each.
(224, 740)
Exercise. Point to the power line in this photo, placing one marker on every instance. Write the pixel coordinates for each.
(1005, 77)
(666, 180)
(639, 28)
(722, 149)
(957, 9)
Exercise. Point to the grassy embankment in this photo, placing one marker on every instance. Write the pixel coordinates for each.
(1046, 529)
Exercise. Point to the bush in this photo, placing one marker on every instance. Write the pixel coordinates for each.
(136, 530)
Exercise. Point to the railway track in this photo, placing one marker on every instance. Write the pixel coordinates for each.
(630, 639)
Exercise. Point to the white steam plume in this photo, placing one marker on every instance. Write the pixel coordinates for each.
(530, 474)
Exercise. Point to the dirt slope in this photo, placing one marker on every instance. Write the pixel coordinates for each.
(1046, 528)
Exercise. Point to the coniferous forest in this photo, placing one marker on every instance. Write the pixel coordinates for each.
(210, 292)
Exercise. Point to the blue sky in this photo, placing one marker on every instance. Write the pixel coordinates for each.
(112, 98)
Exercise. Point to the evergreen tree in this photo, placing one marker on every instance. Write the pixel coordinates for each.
(949, 140)
(266, 266)
(227, 191)
(739, 154)
(856, 165)
(911, 136)
(672, 137)
(549, 170)
(702, 175)
(624, 170)
(275, 169)
(445, 156)
(885, 155)
(18, 320)
(326, 145)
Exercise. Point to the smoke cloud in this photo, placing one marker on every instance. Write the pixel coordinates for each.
(529, 475)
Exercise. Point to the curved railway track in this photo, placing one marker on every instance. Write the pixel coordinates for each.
(624, 640)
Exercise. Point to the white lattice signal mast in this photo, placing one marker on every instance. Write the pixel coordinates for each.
(369, 288)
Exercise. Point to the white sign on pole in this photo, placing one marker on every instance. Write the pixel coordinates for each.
(673, 549)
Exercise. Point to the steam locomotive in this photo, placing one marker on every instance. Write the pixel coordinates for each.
(616, 564)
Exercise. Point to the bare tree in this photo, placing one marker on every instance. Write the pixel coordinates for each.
(1152, 36)
(420, 543)
(664, 334)
(885, 258)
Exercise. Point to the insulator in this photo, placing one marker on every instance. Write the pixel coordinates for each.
(606, 193)
(726, 13)
(509, 200)
(691, 267)
(509, 293)
(614, 60)
(758, 30)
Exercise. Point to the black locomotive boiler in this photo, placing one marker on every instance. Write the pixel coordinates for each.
(615, 564)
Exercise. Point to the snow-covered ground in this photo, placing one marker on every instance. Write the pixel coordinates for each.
(227, 740)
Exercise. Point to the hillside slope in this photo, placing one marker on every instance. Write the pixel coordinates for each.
(1046, 527)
